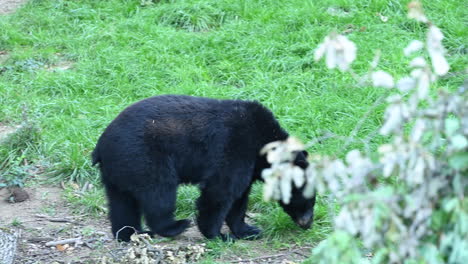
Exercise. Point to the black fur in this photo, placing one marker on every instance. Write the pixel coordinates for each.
(163, 141)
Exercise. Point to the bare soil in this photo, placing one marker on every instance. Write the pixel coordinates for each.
(9, 6)
(6, 130)
(47, 217)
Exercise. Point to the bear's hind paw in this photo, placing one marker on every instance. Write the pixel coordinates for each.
(249, 233)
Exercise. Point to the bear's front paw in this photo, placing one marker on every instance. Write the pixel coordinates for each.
(173, 229)
(227, 237)
(180, 226)
(249, 232)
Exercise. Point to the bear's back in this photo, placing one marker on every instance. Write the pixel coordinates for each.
(191, 135)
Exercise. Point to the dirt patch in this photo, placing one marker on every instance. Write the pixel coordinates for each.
(6, 130)
(9, 6)
(60, 66)
(46, 217)
(4, 55)
(39, 199)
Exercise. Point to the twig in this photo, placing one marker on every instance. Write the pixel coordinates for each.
(314, 141)
(360, 123)
(117, 233)
(257, 258)
(85, 187)
(150, 247)
(300, 253)
(88, 245)
(87, 242)
(59, 220)
(56, 220)
(75, 240)
(295, 251)
(39, 239)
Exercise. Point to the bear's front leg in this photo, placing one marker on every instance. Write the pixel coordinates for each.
(212, 210)
(236, 219)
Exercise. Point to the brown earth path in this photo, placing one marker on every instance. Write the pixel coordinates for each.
(9, 6)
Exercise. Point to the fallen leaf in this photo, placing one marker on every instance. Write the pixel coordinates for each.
(382, 17)
(62, 248)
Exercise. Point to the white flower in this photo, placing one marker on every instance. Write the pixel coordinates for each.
(282, 174)
(436, 50)
(270, 184)
(418, 171)
(424, 78)
(281, 151)
(418, 130)
(285, 186)
(358, 168)
(382, 79)
(339, 52)
(344, 220)
(414, 46)
(388, 159)
(416, 12)
(418, 62)
(395, 114)
(313, 182)
(297, 175)
(382, 17)
(405, 84)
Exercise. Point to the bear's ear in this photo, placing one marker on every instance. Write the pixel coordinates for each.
(305, 153)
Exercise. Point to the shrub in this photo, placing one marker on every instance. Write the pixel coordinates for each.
(423, 216)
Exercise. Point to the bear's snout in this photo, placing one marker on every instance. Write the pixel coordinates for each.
(305, 221)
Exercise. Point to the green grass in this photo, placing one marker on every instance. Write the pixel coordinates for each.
(120, 52)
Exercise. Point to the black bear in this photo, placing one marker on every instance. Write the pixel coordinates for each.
(163, 141)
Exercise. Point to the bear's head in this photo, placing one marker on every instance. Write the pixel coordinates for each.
(300, 208)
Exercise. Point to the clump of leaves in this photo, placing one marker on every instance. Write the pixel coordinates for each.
(14, 164)
(424, 217)
(13, 172)
(142, 251)
(26, 135)
(191, 17)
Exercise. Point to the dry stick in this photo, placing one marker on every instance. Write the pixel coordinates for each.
(117, 233)
(314, 141)
(51, 219)
(258, 258)
(296, 251)
(87, 243)
(39, 239)
(360, 123)
(151, 248)
(300, 254)
(60, 220)
(64, 241)
(85, 187)
(76, 241)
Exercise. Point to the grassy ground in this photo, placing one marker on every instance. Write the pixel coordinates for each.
(69, 67)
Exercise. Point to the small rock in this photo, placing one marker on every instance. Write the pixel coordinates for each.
(17, 195)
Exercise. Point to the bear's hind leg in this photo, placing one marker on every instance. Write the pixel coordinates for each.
(124, 213)
(158, 209)
(235, 219)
